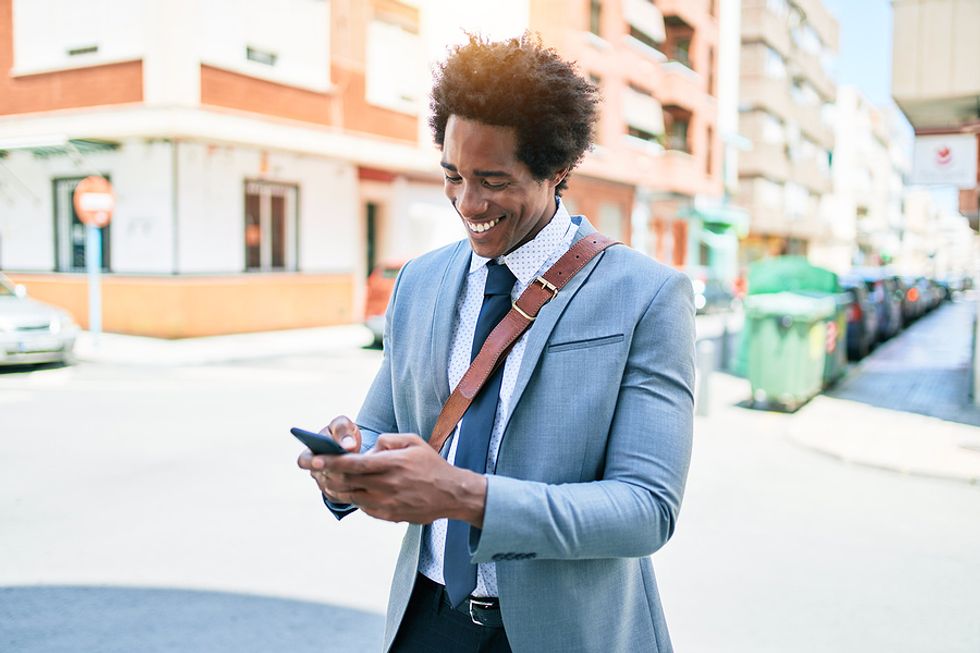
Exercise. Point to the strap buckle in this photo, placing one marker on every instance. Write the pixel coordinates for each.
(548, 286)
(478, 604)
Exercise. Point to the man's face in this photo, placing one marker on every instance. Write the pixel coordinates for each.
(501, 204)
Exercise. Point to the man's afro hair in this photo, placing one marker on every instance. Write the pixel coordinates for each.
(521, 84)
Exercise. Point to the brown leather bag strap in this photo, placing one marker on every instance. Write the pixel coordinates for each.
(520, 317)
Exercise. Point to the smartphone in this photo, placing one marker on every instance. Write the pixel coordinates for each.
(321, 445)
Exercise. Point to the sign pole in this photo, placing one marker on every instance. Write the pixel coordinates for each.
(94, 202)
(93, 265)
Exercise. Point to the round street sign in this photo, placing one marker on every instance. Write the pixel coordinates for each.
(94, 201)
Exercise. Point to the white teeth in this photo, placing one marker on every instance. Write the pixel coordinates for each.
(482, 226)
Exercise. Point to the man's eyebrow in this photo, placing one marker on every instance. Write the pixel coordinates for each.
(479, 173)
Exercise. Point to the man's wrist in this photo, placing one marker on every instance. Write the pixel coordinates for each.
(471, 497)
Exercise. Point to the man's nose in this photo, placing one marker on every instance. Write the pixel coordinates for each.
(470, 201)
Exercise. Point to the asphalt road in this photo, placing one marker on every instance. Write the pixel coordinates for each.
(159, 509)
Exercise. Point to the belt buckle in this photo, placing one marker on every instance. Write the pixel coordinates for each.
(486, 605)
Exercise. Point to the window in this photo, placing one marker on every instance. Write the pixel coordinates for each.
(711, 71)
(70, 237)
(769, 192)
(709, 148)
(261, 56)
(395, 65)
(773, 130)
(595, 17)
(778, 7)
(270, 226)
(775, 65)
(676, 123)
(611, 220)
(677, 45)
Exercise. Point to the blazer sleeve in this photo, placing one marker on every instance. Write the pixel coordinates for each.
(377, 414)
(632, 510)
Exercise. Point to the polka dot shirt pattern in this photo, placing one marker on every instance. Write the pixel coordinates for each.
(526, 263)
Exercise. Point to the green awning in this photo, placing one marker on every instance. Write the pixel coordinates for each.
(82, 146)
(723, 215)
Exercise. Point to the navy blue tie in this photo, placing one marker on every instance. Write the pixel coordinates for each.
(473, 438)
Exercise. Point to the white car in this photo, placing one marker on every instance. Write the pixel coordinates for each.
(32, 331)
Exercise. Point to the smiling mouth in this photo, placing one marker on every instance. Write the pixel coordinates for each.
(481, 227)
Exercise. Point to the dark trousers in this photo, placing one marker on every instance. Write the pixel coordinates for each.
(431, 625)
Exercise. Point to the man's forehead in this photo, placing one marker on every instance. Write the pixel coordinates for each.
(488, 150)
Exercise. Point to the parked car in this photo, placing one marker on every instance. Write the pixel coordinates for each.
(32, 331)
(862, 318)
(882, 293)
(380, 284)
(711, 294)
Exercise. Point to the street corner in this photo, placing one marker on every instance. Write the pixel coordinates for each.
(906, 443)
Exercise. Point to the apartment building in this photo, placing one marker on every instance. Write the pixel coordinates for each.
(787, 96)
(657, 66)
(865, 213)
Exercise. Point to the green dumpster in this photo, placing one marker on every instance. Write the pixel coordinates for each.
(835, 346)
(782, 274)
(787, 347)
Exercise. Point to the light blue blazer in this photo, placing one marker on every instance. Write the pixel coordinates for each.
(593, 461)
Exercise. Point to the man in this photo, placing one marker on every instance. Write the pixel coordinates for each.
(571, 462)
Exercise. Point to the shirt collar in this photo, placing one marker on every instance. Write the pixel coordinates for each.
(525, 261)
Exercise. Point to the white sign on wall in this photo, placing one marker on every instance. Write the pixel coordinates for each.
(948, 160)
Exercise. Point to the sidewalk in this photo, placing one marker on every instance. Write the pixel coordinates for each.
(895, 410)
(116, 349)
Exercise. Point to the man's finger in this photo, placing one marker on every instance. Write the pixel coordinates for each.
(305, 460)
(387, 441)
(344, 431)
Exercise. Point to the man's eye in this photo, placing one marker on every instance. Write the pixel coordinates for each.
(502, 186)
(453, 180)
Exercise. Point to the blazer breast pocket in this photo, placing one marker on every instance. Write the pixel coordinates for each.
(589, 343)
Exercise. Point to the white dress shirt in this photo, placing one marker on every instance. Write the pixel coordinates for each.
(526, 263)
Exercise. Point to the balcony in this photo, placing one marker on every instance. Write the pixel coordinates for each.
(692, 11)
(645, 17)
(811, 123)
(682, 86)
(765, 160)
(770, 94)
(760, 24)
(677, 172)
(808, 67)
(809, 174)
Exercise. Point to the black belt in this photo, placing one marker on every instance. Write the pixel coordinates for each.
(482, 610)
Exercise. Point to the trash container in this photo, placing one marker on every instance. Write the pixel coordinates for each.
(835, 344)
(782, 274)
(786, 347)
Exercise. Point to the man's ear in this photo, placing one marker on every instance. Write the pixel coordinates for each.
(560, 176)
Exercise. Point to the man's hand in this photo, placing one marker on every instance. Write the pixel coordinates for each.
(403, 479)
(346, 433)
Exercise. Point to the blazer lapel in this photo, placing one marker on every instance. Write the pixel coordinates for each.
(442, 319)
(540, 331)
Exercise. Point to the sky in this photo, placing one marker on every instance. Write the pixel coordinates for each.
(865, 56)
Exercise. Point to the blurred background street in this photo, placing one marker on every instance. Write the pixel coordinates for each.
(203, 210)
